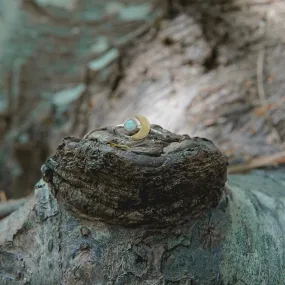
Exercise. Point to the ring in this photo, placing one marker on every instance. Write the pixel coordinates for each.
(138, 125)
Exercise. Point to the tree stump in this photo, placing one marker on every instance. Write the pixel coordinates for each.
(110, 210)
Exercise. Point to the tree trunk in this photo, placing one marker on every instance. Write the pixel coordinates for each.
(212, 69)
(111, 210)
(114, 211)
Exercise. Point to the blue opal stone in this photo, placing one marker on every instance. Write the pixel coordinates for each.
(130, 125)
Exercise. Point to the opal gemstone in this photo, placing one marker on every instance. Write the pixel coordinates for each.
(130, 125)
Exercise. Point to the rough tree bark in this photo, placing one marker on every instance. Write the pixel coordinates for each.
(222, 59)
(114, 211)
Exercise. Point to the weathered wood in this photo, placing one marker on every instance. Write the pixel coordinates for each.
(155, 181)
(78, 230)
(215, 58)
(53, 48)
(201, 75)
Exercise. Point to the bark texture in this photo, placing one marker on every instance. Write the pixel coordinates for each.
(159, 180)
(188, 228)
(215, 69)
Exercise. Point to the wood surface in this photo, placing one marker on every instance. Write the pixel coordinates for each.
(110, 210)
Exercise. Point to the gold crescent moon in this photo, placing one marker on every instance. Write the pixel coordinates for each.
(144, 129)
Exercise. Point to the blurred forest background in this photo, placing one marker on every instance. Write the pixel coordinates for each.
(208, 68)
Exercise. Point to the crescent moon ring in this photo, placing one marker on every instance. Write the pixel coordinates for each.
(140, 125)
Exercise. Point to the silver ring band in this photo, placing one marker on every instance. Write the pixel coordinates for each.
(137, 128)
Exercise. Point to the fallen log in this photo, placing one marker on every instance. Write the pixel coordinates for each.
(110, 210)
